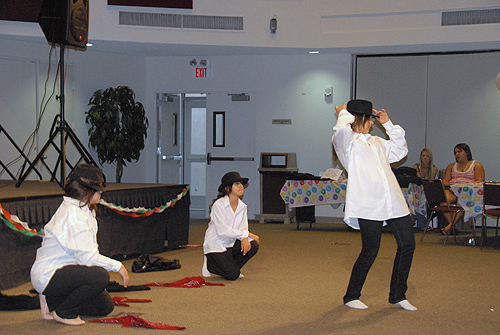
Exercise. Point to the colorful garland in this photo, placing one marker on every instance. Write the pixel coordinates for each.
(141, 211)
(14, 223)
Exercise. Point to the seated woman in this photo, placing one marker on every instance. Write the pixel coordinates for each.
(69, 273)
(426, 168)
(228, 244)
(464, 170)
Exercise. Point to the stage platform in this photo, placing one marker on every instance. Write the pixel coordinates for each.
(120, 236)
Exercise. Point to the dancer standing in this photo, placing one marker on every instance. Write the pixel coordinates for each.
(374, 196)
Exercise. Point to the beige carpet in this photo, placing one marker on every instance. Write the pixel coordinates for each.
(295, 284)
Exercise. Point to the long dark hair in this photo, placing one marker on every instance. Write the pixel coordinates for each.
(225, 191)
(77, 191)
(465, 148)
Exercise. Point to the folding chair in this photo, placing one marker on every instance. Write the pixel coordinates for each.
(436, 196)
(491, 198)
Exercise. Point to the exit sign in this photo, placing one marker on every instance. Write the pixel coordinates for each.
(201, 72)
(202, 69)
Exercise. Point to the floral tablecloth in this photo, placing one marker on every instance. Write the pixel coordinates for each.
(470, 197)
(415, 198)
(299, 193)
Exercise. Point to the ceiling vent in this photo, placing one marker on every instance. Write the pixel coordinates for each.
(465, 17)
(181, 21)
(240, 97)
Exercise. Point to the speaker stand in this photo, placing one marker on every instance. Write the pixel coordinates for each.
(61, 128)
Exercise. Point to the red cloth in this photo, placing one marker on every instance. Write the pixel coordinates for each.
(122, 301)
(132, 320)
(186, 282)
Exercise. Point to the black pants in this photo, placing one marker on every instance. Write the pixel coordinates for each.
(371, 232)
(229, 263)
(79, 290)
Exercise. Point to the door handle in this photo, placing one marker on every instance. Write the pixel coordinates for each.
(174, 158)
(210, 158)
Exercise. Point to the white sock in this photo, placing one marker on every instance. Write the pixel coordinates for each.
(405, 304)
(357, 304)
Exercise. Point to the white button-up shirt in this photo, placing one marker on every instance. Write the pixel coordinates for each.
(225, 226)
(373, 191)
(70, 239)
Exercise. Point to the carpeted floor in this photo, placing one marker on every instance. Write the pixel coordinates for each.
(295, 284)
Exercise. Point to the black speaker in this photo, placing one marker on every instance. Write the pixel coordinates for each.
(65, 22)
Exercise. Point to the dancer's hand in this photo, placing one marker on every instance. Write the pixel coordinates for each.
(338, 109)
(245, 246)
(381, 115)
(124, 274)
(254, 237)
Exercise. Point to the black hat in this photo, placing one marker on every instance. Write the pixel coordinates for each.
(360, 107)
(230, 178)
(89, 176)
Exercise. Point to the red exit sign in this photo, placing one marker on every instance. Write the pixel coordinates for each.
(201, 72)
(201, 68)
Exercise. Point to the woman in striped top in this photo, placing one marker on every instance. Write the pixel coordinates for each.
(464, 170)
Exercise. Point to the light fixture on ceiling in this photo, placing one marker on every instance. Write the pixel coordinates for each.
(273, 24)
(203, 62)
(313, 52)
(193, 62)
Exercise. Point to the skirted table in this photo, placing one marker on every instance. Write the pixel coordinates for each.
(470, 197)
(300, 193)
(119, 235)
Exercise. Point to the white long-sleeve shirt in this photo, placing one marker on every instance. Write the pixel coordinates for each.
(225, 226)
(70, 239)
(373, 191)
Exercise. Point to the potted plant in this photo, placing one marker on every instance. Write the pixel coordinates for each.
(118, 126)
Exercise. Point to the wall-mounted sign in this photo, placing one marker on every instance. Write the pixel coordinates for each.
(201, 68)
(153, 3)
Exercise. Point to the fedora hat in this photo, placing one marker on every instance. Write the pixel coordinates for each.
(230, 178)
(89, 176)
(360, 107)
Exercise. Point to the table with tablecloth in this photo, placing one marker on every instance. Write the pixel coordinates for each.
(415, 198)
(470, 197)
(299, 193)
(119, 235)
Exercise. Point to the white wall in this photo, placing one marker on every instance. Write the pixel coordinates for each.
(310, 24)
(282, 87)
(87, 72)
(441, 100)
(285, 86)
(361, 26)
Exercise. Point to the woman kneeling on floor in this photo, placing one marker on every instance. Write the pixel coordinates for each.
(69, 273)
(228, 243)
